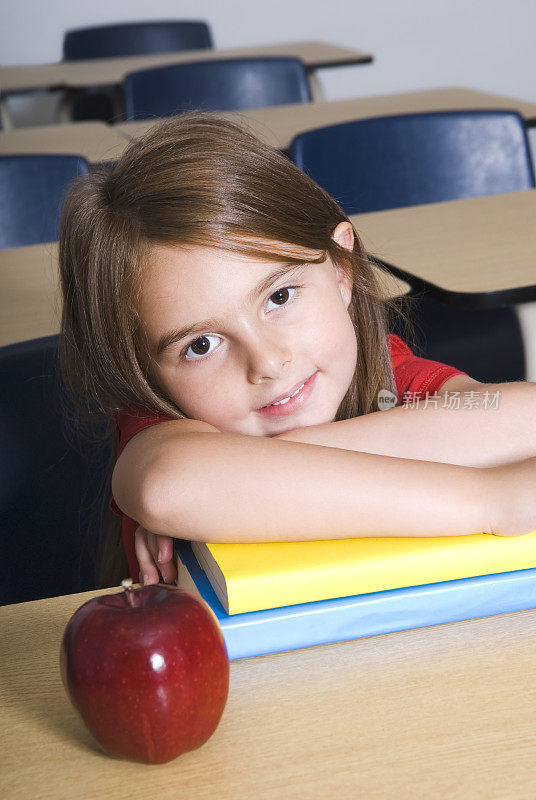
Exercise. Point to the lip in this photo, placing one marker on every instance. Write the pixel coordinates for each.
(294, 403)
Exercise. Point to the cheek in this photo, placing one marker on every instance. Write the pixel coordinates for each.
(345, 356)
(183, 389)
(209, 399)
(339, 339)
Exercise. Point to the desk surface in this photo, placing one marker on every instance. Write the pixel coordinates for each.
(96, 141)
(444, 711)
(477, 253)
(29, 293)
(278, 125)
(111, 71)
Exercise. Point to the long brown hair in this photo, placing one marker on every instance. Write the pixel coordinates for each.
(195, 179)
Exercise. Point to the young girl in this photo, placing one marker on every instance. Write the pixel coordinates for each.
(219, 306)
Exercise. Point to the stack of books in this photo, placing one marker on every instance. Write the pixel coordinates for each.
(272, 597)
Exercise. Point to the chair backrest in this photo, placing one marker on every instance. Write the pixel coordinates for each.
(405, 160)
(48, 488)
(32, 190)
(136, 38)
(219, 85)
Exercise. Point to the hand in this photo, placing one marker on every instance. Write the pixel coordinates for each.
(512, 498)
(155, 557)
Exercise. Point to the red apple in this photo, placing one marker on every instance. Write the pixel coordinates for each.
(148, 671)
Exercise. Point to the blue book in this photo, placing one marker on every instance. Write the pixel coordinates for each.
(290, 627)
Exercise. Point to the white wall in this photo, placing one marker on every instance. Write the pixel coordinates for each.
(483, 44)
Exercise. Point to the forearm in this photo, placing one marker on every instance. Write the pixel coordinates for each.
(229, 487)
(476, 437)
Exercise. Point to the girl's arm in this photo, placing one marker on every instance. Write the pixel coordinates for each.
(204, 485)
(477, 436)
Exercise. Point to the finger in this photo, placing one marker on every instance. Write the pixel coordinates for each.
(168, 571)
(154, 550)
(152, 546)
(148, 569)
(165, 548)
(166, 562)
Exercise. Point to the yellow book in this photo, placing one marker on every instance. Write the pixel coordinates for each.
(255, 576)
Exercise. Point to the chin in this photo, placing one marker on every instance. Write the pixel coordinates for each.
(320, 417)
(308, 422)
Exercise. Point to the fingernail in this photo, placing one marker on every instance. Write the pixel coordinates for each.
(160, 557)
(145, 578)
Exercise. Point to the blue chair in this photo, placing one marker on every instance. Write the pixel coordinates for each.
(127, 39)
(50, 487)
(32, 189)
(388, 162)
(136, 38)
(222, 85)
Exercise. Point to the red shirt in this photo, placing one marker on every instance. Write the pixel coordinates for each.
(412, 375)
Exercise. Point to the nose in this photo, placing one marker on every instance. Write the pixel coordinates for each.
(266, 357)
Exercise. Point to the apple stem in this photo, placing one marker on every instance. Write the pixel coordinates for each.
(127, 586)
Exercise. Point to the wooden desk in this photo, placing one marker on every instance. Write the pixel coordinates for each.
(278, 125)
(94, 140)
(111, 71)
(477, 253)
(29, 291)
(444, 711)
(30, 304)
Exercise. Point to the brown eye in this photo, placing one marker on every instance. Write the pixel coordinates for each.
(201, 347)
(282, 296)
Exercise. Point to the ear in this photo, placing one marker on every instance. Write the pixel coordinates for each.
(343, 235)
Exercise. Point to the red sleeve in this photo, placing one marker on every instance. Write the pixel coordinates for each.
(127, 425)
(417, 375)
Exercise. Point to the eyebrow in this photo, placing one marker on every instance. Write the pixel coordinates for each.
(171, 337)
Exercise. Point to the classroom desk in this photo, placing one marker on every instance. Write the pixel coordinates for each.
(277, 125)
(111, 71)
(29, 293)
(477, 253)
(443, 711)
(96, 141)
(30, 300)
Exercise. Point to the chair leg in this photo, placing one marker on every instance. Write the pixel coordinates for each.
(6, 120)
(526, 317)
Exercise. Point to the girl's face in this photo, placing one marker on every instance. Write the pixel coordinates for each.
(229, 336)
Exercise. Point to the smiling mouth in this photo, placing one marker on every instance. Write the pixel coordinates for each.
(287, 398)
(288, 404)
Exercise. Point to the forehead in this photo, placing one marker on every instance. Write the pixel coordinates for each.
(198, 274)
(183, 285)
(193, 266)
